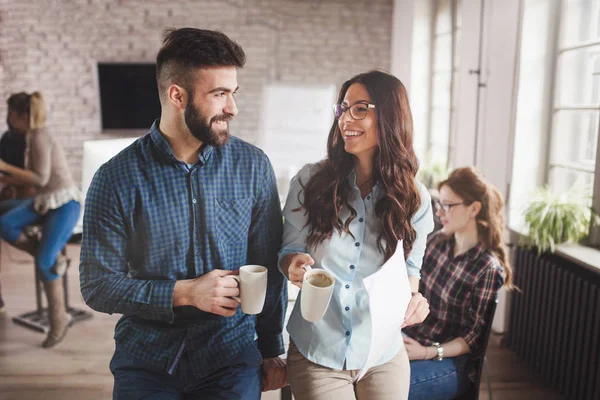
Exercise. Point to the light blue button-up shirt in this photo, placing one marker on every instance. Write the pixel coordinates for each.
(344, 333)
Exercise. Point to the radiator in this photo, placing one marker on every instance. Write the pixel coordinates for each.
(555, 322)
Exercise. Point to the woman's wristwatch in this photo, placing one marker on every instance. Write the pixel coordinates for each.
(440, 351)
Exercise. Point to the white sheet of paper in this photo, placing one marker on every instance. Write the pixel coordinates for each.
(389, 294)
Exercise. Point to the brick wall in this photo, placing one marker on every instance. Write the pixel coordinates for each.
(54, 46)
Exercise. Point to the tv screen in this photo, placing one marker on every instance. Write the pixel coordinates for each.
(128, 95)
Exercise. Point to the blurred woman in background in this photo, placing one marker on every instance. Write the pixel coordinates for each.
(56, 206)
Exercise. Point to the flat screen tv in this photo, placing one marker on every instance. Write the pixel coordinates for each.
(128, 95)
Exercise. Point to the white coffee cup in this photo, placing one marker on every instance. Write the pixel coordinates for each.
(317, 288)
(252, 282)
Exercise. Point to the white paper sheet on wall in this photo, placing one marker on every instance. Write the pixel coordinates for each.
(294, 127)
(96, 153)
(387, 286)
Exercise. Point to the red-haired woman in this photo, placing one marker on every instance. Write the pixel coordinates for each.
(465, 266)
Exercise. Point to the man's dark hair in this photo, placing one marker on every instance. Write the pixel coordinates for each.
(19, 102)
(187, 48)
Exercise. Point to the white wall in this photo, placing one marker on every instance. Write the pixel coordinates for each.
(489, 143)
(402, 33)
(464, 140)
(486, 139)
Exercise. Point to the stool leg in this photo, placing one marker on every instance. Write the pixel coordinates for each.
(38, 290)
(65, 288)
(39, 319)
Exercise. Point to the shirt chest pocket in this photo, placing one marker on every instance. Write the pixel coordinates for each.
(233, 219)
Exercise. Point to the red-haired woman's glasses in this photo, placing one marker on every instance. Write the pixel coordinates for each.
(358, 110)
(446, 206)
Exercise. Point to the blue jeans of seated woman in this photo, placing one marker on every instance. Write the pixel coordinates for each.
(8, 204)
(57, 228)
(438, 380)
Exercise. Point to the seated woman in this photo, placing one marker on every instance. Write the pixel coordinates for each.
(12, 151)
(56, 206)
(465, 266)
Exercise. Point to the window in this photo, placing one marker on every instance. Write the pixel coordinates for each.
(558, 101)
(576, 105)
(437, 26)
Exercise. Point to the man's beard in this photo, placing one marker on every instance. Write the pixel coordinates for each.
(204, 132)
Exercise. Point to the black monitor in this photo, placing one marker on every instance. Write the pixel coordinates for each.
(128, 95)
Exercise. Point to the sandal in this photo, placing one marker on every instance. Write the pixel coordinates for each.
(60, 267)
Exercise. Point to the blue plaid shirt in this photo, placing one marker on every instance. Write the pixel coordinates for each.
(150, 220)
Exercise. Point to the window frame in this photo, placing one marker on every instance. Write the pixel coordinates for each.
(454, 8)
(557, 106)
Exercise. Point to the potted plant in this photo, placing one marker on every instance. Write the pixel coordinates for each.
(555, 218)
(431, 173)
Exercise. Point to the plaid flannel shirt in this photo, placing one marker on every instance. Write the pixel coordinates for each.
(150, 220)
(459, 290)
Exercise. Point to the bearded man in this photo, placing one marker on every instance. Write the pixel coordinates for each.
(168, 220)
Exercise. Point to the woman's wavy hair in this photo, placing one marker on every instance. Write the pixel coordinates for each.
(31, 104)
(328, 191)
(470, 185)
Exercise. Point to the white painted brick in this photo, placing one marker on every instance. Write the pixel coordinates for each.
(54, 46)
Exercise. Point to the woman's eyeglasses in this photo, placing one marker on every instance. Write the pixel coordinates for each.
(445, 206)
(358, 110)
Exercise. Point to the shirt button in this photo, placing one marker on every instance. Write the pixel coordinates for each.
(368, 197)
(194, 201)
(360, 220)
(352, 267)
(357, 244)
(347, 286)
(347, 333)
(347, 308)
(197, 253)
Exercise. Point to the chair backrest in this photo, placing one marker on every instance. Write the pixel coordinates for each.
(473, 392)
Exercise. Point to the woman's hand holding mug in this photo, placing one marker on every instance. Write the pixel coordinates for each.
(299, 264)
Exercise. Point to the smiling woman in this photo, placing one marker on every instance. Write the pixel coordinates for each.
(342, 215)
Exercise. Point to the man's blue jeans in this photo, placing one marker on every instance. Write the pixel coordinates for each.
(57, 228)
(240, 380)
(439, 380)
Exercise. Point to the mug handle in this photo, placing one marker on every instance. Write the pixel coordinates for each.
(306, 268)
(237, 278)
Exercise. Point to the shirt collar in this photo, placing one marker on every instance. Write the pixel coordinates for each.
(163, 145)
(352, 181)
(472, 254)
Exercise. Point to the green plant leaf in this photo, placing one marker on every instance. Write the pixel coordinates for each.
(554, 218)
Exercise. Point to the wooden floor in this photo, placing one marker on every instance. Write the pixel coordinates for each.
(78, 367)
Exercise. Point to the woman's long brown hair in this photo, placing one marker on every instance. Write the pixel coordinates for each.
(470, 186)
(395, 166)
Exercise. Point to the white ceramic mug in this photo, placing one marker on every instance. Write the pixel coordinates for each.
(317, 289)
(252, 282)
